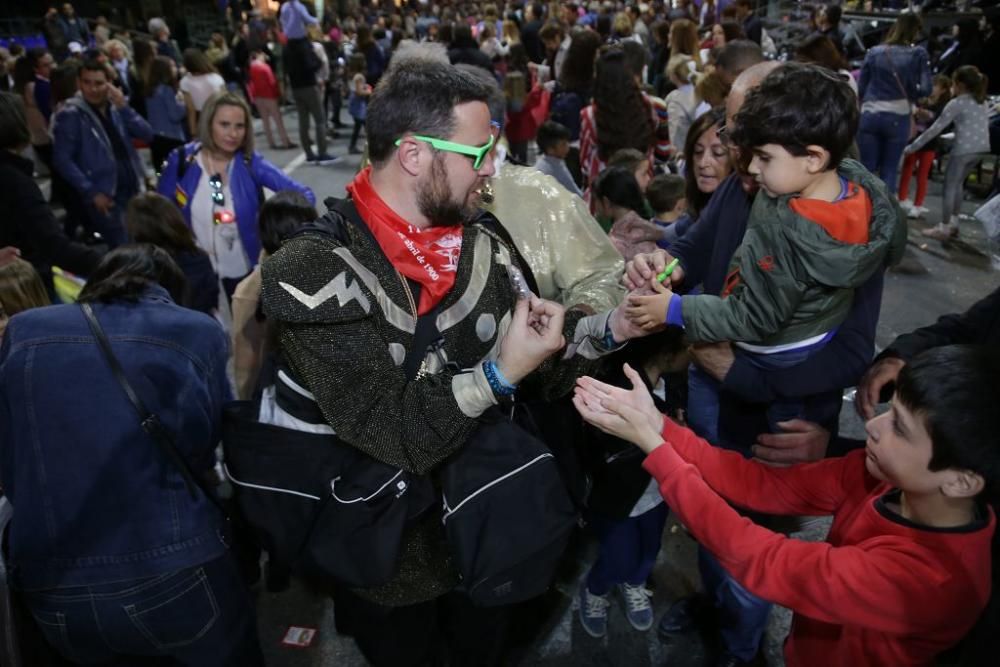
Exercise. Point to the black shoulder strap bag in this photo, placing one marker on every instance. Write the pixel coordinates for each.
(150, 422)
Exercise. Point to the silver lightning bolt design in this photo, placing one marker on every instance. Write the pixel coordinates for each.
(337, 287)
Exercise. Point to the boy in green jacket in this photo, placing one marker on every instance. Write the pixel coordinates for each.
(819, 228)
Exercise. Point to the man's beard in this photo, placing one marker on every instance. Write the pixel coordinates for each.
(435, 201)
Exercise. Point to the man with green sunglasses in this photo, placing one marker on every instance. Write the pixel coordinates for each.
(404, 327)
(477, 153)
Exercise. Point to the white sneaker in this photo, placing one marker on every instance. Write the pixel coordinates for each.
(638, 609)
(917, 212)
(906, 205)
(593, 612)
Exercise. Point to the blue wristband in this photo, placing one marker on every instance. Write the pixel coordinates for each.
(498, 383)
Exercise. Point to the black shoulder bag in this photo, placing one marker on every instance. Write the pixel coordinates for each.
(150, 422)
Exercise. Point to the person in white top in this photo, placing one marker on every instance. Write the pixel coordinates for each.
(681, 102)
(201, 82)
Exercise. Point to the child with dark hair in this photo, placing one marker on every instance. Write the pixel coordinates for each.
(820, 226)
(905, 573)
(636, 162)
(625, 510)
(667, 198)
(553, 146)
(280, 217)
(618, 200)
(152, 218)
(928, 110)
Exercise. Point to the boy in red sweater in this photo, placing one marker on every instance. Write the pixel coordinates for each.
(905, 572)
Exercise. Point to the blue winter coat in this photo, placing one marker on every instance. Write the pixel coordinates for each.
(248, 178)
(82, 152)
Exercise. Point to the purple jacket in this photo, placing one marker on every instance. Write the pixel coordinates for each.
(250, 175)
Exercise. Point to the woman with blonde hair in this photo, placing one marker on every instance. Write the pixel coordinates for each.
(621, 29)
(118, 54)
(21, 289)
(684, 41)
(683, 100)
(217, 181)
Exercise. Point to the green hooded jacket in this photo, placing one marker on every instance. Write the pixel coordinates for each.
(795, 280)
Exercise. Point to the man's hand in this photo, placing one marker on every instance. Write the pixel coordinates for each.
(714, 358)
(881, 373)
(641, 270)
(801, 442)
(103, 203)
(624, 328)
(535, 334)
(117, 97)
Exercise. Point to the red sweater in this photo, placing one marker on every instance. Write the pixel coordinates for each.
(262, 82)
(881, 591)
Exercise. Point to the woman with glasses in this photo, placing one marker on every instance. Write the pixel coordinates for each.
(218, 183)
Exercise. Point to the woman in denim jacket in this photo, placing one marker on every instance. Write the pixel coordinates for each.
(218, 183)
(894, 76)
(114, 557)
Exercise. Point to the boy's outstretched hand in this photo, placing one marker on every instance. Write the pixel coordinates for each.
(629, 414)
(649, 311)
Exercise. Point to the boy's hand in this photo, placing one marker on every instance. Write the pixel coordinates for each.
(629, 414)
(649, 312)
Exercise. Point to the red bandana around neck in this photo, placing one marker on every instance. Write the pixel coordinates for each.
(428, 256)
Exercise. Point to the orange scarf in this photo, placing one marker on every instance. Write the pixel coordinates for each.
(428, 256)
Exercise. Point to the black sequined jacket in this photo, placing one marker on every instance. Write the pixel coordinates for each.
(344, 326)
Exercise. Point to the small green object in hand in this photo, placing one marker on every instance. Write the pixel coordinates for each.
(667, 271)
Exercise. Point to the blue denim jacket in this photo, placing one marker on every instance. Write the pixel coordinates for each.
(884, 63)
(248, 177)
(95, 499)
(81, 150)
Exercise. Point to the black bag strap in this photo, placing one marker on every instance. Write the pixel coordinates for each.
(151, 424)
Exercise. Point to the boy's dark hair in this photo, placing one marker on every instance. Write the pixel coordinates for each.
(281, 216)
(128, 271)
(954, 390)
(618, 186)
(93, 65)
(430, 90)
(739, 55)
(550, 134)
(796, 106)
(664, 191)
(630, 158)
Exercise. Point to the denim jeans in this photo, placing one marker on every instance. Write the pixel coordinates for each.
(703, 404)
(628, 549)
(742, 615)
(881, 139)
(200, 615)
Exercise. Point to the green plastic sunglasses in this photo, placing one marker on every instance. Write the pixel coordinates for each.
(478, 153)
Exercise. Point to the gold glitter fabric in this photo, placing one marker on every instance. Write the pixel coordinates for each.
(572, 258)
(344, 323)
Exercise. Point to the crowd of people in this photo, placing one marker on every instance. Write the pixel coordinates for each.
(623, 241)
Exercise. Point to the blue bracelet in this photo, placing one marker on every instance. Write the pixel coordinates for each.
(498, 383)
